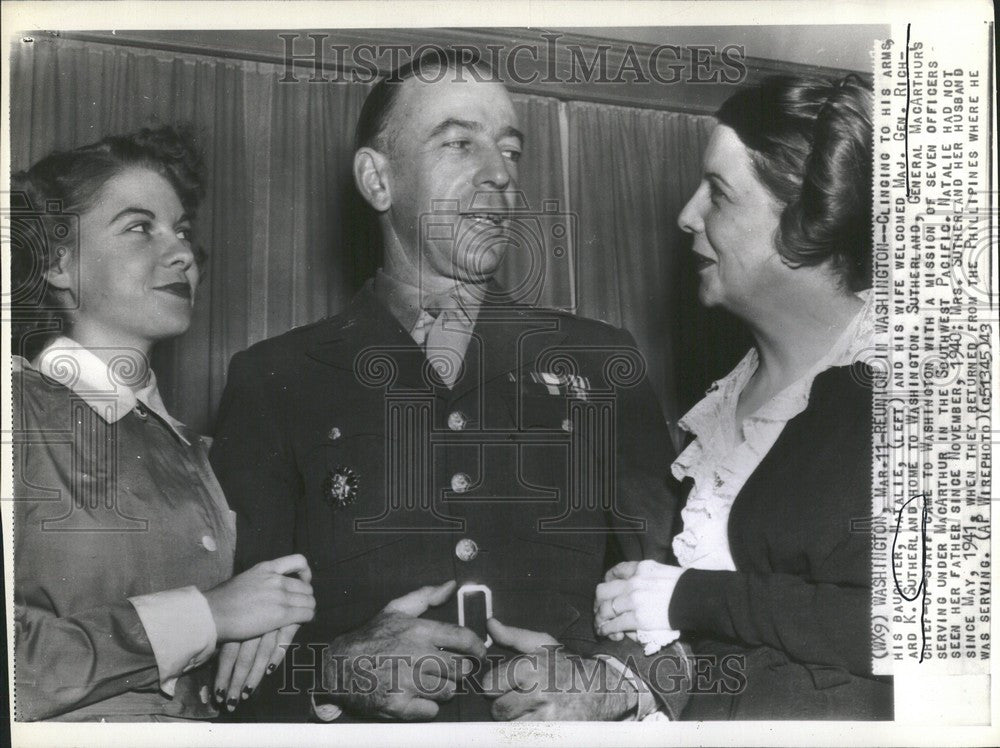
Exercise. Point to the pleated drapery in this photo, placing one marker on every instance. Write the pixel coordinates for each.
(289, 240)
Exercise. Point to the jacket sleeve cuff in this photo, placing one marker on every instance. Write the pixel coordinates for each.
(699, 600)
(177, 648)
(647, 702)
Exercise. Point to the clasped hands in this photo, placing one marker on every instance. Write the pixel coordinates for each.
(634, 601)
(257, 614)
(400, 666)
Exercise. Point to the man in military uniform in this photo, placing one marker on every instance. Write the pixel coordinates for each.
(441, 434)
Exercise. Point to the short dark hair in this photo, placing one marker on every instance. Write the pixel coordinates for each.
(810, 140)
(372, 123)
(47, 198)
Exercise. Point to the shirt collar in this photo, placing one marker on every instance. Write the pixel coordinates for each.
(107, 390)
(408, 302)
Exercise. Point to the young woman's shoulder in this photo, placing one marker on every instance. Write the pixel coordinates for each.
(36, 399)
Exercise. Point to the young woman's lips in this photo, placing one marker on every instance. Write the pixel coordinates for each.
(182, 290)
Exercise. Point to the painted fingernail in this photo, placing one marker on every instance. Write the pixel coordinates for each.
(231, 704)
(246, 693)
(220, 695)
(270, 668)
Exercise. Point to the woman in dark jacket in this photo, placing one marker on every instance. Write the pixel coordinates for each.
(774, 567)
(123, 542)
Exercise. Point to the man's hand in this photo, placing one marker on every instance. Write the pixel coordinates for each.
(548, 684)
(397, 666)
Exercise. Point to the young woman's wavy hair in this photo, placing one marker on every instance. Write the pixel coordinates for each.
(48, 198)
(811, 143)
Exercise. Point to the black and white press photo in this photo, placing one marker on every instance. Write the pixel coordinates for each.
(385, 378)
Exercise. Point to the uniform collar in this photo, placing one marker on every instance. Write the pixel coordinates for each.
(407, 302)
(107, 390)
(367, 332)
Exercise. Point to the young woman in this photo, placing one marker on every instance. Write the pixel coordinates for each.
(774, 569)
(123, 539)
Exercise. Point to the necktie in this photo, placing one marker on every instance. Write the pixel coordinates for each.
(445, 338)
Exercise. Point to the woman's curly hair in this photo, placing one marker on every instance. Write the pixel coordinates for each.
(48, 198)
(811, 144)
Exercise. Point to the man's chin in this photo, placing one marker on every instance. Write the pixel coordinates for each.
(480, 268)
(479, 278)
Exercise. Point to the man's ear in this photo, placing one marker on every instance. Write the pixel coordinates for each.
(371, 175)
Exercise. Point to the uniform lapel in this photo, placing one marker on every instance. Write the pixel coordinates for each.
(368, 340)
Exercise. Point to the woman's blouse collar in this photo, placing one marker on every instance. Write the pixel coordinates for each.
(701, 420)
(106, 389)
(720, 462)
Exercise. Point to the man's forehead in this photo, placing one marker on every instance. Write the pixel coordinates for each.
(430, 102)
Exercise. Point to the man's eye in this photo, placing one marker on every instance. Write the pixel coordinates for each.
(715, 193)
(458, 145)
(143, 227)
(512, 154)
(186, 233)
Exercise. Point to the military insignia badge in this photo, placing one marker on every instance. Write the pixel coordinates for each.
(563, 384)
(340, 487)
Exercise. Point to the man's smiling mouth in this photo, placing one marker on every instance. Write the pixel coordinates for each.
(495, 219)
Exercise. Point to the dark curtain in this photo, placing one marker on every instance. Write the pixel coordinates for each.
(537, 264)
(64, 95)
(631, 172)
(289, 240)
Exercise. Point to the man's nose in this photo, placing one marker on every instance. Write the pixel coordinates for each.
(495, 170)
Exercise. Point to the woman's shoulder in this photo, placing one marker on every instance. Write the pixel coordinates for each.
(24, 379)
(35, 398)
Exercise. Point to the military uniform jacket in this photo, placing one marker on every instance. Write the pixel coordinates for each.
(336, 440)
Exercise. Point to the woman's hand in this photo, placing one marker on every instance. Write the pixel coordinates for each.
(262, 599)
(635, 596)
(243, 664)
